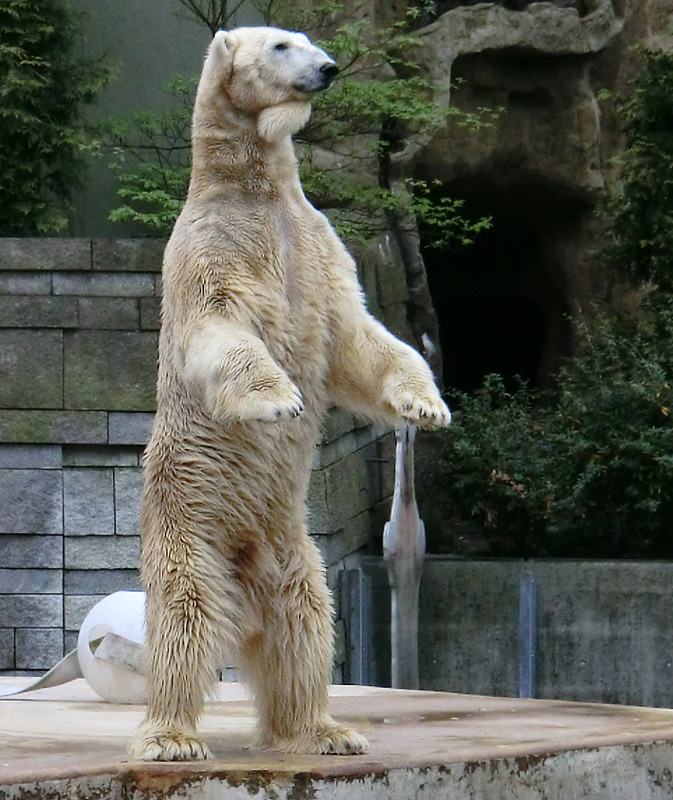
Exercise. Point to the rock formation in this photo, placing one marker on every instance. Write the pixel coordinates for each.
(557, 72)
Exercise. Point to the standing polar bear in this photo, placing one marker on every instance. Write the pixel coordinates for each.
(264, 327)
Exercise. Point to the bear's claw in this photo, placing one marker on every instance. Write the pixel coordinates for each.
(428, 413)
(270, 406)
(270, 411)
(167, 744)
(340, 740)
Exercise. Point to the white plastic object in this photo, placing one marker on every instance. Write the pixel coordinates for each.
(121, 613)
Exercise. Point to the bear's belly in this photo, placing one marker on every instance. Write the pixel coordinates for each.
(240, 480)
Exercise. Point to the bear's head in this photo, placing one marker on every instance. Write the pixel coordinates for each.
(272, 73)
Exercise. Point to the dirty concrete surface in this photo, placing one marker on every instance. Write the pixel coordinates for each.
(66, 743)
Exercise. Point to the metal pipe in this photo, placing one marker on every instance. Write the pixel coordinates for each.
(527, 636)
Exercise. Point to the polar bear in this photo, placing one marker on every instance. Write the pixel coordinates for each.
(263, 328)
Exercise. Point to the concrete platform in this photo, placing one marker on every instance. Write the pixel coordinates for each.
(65, 743)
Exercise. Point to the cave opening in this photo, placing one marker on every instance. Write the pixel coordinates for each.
(502, 302)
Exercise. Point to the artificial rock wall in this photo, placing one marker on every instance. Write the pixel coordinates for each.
(555, 76)
(79, 323)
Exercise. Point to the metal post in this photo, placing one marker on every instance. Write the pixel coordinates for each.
(527, 635)
(356, 599)
(403, 550)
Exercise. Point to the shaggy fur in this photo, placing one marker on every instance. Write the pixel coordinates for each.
(264, 328)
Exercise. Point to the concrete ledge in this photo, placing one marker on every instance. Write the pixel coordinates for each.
(63, 743)
(128, 255)
(44, 253)
(35, 426)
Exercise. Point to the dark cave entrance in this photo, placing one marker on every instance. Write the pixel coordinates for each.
(502, 302)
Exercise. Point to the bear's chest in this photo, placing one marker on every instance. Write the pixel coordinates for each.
(292, 311)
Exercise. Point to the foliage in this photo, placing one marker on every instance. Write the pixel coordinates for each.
(361, 120)
(642, 233)
(151, 155)
(589, 474)
(42, 135)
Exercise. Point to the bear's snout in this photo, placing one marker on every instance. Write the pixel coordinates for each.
(329, 71)
(319, 78)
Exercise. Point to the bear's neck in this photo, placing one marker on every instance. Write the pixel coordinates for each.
(229, 155)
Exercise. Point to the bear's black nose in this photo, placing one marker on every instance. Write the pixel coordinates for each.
(329, 71)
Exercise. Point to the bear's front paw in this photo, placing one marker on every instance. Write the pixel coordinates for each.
(268, 406)
(167, 744)
(428, 412)
(275, 403)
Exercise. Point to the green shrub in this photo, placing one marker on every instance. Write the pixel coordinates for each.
(42, 135)
(151, 157)
(588, 474)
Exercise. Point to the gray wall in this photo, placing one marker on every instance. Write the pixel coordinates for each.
(605, 629)
(78, 335)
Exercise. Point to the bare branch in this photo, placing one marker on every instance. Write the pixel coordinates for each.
(215, 14)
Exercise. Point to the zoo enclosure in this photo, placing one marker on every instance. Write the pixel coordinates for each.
(603, 629)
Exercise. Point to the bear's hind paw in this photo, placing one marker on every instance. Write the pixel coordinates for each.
(167, 744)
(331, 740)
(342, 741)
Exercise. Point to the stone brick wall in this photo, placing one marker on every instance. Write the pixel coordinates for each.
(78, 334)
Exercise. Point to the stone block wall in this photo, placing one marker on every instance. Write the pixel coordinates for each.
(78, 334)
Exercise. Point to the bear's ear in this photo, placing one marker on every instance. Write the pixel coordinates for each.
(222, 48)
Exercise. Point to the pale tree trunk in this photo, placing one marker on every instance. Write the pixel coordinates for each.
(403, 550)
(421, 313)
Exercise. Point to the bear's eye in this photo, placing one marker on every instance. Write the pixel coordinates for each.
(281, 46)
